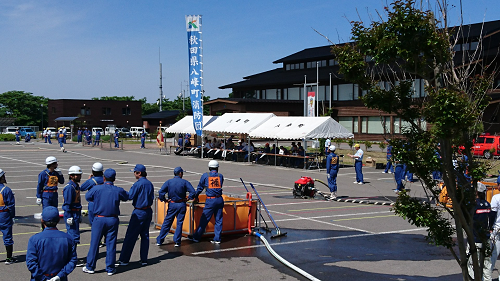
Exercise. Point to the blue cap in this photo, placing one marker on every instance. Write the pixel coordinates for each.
(110, 174)
(139, 168)
(50, 213)
(178, 170)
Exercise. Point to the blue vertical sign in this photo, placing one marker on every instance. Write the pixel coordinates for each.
(193, 26)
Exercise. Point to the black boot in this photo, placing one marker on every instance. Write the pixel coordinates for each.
(10, 259)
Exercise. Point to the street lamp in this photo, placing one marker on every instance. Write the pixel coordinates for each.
(41, 109)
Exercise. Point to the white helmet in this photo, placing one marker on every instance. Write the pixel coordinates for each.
(50, 160)
(2, 172)
(213, 164)
(75, 170)
(97, 167)
(332, 147)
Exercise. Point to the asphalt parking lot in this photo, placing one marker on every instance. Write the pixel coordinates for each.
(329, 240)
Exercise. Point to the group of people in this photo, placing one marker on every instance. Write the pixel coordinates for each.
(103, 210)
(333, 164)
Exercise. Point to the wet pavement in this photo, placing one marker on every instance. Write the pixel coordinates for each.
(338, 240)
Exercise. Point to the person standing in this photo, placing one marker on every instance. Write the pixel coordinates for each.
(332, 169)
(46, 191)
(214, 204)
(358, 163)
(143, 138)
(48, 135)
(18, 136)
(328, 142)
(79, 135)
(142, 196)
(44, 134)
(97, 137)
(60, 139)
(95, 179)
(389, 160)
(51, 254)
(483, 222)
(72, 205)
(495, 235)
(106, 198)
(176, 189)
(7, 214)
(65, 132)
(117, 136)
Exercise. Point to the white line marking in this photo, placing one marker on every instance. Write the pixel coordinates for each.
(332, 216)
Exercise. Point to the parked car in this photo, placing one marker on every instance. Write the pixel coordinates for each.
(27, 131)
(125, 132)
(10, 130)
(136, 131)
(487, 146)
(95, 129)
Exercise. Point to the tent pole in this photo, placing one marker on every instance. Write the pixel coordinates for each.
(248, 148)
(275, 152)
(305, 162)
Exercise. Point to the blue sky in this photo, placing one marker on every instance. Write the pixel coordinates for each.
(84, 49)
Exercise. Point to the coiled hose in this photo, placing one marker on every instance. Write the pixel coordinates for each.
(285, 262)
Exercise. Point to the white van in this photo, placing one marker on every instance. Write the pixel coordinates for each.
(10, 130)
(109, 130)
(95, 129)
(136, 131)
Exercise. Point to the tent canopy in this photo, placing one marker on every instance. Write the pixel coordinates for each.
(294, 127)
(185, 125)
(238, 123)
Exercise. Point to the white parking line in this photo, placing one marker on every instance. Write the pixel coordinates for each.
(332, 216)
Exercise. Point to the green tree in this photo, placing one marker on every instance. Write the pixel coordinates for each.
(25, 107)
(412, 44)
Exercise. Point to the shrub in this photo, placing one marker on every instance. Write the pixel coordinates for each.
(7, 137)
(350, 142)
(382, 145)
(368, 145)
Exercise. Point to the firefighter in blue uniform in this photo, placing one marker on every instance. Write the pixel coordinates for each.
(143, 138)
(106, 198)
(72, 205)
(51, 254)
(95, 179)
(18, 136)
(389, 162)
(79, 135)
(176, 189)
(332, 169)
(27, 138)
(48, 135)
(7, 214)
(116, 136)
(142, 196)
(399, 174)
(60, 138)
(97, 137)
(46, 190)
(214, 204)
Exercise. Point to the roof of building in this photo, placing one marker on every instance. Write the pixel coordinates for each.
(249, 100)
(162, 114)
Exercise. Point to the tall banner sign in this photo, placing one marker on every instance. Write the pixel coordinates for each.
(193, 26)
(311, 97)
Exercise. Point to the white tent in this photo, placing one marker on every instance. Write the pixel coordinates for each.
(237, 123)
(185, 125)
(293, 128)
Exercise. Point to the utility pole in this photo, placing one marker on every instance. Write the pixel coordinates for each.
(161, 87)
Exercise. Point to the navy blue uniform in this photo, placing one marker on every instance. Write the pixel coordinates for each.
(143, 139)
(214, 205)
(332, 169)
(117, 135)
(97, 138)
(72, 208)
(7, 213)
(106, 198)
(79, 136)
(87, 185)
(176, 189)
(50, 253)
(389, 162)
(142, 196)
(18, 136)
(47, 187)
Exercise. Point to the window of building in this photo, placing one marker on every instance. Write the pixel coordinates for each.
(309, 64)
(271, 94)
(473, 45)
(293, 93)
(287, 67)
(53, 109)
(126, 111)
(85, 111)
(375, 125)
(387, 125)
(106, 111)
(347, 123)
(356, 91)
(355, 128)
(456, 48)
(345, 92)
(397, 125)
(301, 65)
(323, 63)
